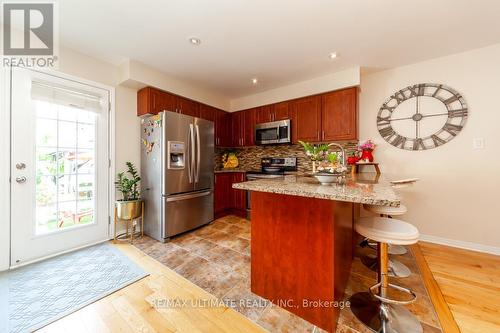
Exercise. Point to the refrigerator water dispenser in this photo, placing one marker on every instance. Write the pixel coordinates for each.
(176, 155)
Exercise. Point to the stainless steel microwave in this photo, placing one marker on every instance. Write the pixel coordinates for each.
(273, 132)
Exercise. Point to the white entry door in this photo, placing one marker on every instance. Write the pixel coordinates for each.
(60, 165)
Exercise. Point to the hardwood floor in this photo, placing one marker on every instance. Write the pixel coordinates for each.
(131, 309)
(470, 284)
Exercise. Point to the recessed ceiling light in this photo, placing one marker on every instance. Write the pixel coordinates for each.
(254, 81)
(333, 55)
(195, 41)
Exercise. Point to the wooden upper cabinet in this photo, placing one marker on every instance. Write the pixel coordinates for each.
(188, 107)
(238, 128)
(207, 112)
(306, 119)
(280, 111)
(263, 114)
(339, 115)
(249, 127)
(150, 101)
(223, 129)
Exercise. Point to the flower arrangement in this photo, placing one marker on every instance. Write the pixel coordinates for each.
(367, 145)
(366, 149)
(315, 152)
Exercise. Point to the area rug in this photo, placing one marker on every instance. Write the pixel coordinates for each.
(38, 294)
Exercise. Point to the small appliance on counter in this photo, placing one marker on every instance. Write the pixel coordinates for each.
(270, 168)
(177, 161)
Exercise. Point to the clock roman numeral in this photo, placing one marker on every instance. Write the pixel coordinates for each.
(437, 140)
(458, 113)
(417, 90)
(399, 96)
(388, 108)
(418, 144)
(452, 129)
(399, 141)
(381, 121)
(452, 99)
(437, 90)
(387, 132)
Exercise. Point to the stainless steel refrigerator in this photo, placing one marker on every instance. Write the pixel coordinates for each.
(177, 170)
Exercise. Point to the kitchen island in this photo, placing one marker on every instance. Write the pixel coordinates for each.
(302, 240)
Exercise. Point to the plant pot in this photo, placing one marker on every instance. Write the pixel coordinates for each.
(128, 210)
(367, 155)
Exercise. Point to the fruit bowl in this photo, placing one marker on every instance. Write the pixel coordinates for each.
(327, 178)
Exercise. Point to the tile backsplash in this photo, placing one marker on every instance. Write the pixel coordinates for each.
(249, 157)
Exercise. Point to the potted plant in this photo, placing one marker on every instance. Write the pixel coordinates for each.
(366, 149)
(315, 152)
(130, 206)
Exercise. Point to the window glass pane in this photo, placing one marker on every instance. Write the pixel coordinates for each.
(85, 211)
(46, 191)
(67, 161)
(85, 187)
(46, 132)
(86, 161)
(67, 214)
(66, 188)
(86, 136)
(46, 218)
(67, 134)
(46, 161)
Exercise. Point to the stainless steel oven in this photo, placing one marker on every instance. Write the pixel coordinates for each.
(270, 168)
(273, 132)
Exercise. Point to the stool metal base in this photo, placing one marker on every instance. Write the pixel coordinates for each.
(397, 249)
(387, 318)
(396, 268)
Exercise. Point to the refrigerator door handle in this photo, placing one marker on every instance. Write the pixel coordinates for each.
(191, 154)
(198, 155)
(188, 196)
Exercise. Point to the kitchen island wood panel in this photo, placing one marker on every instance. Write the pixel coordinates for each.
(301, 253)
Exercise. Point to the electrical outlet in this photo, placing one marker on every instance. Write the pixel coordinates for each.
(478, 143)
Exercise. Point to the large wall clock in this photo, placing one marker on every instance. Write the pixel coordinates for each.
(422, 116)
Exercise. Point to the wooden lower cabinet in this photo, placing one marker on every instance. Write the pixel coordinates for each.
(226, 199)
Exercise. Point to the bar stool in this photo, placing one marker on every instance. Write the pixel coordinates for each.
(375, 308)
(396, 268)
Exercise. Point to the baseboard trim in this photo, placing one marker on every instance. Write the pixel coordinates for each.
(461, 244)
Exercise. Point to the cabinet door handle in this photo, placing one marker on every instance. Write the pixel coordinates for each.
(323, 135)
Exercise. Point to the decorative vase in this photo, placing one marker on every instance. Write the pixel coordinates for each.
(367, 155)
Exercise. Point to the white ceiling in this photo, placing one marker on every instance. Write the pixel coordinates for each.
(278, 41)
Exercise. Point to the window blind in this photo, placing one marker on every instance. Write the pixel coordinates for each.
(67, 96)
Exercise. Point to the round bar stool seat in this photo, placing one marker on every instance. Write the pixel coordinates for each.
(390, 211)
(387, 230)
(375, 308)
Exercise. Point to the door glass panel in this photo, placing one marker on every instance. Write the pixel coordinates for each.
(65, 167)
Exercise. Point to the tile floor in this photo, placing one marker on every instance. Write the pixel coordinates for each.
(217, 258)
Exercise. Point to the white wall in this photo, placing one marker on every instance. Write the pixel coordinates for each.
(455, 201)
(342, 79)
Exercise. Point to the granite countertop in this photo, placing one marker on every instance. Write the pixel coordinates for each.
(230, 170)
(363, 188)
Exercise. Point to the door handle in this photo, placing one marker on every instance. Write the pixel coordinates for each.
(188, 196)
(21, 179)
(20, 166)
(197, 170)
(190, 152)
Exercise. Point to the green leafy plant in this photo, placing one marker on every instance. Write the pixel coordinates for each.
(129, 187)
(332, 157)
(315, 152)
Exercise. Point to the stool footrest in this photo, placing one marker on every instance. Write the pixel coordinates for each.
(390, 300)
